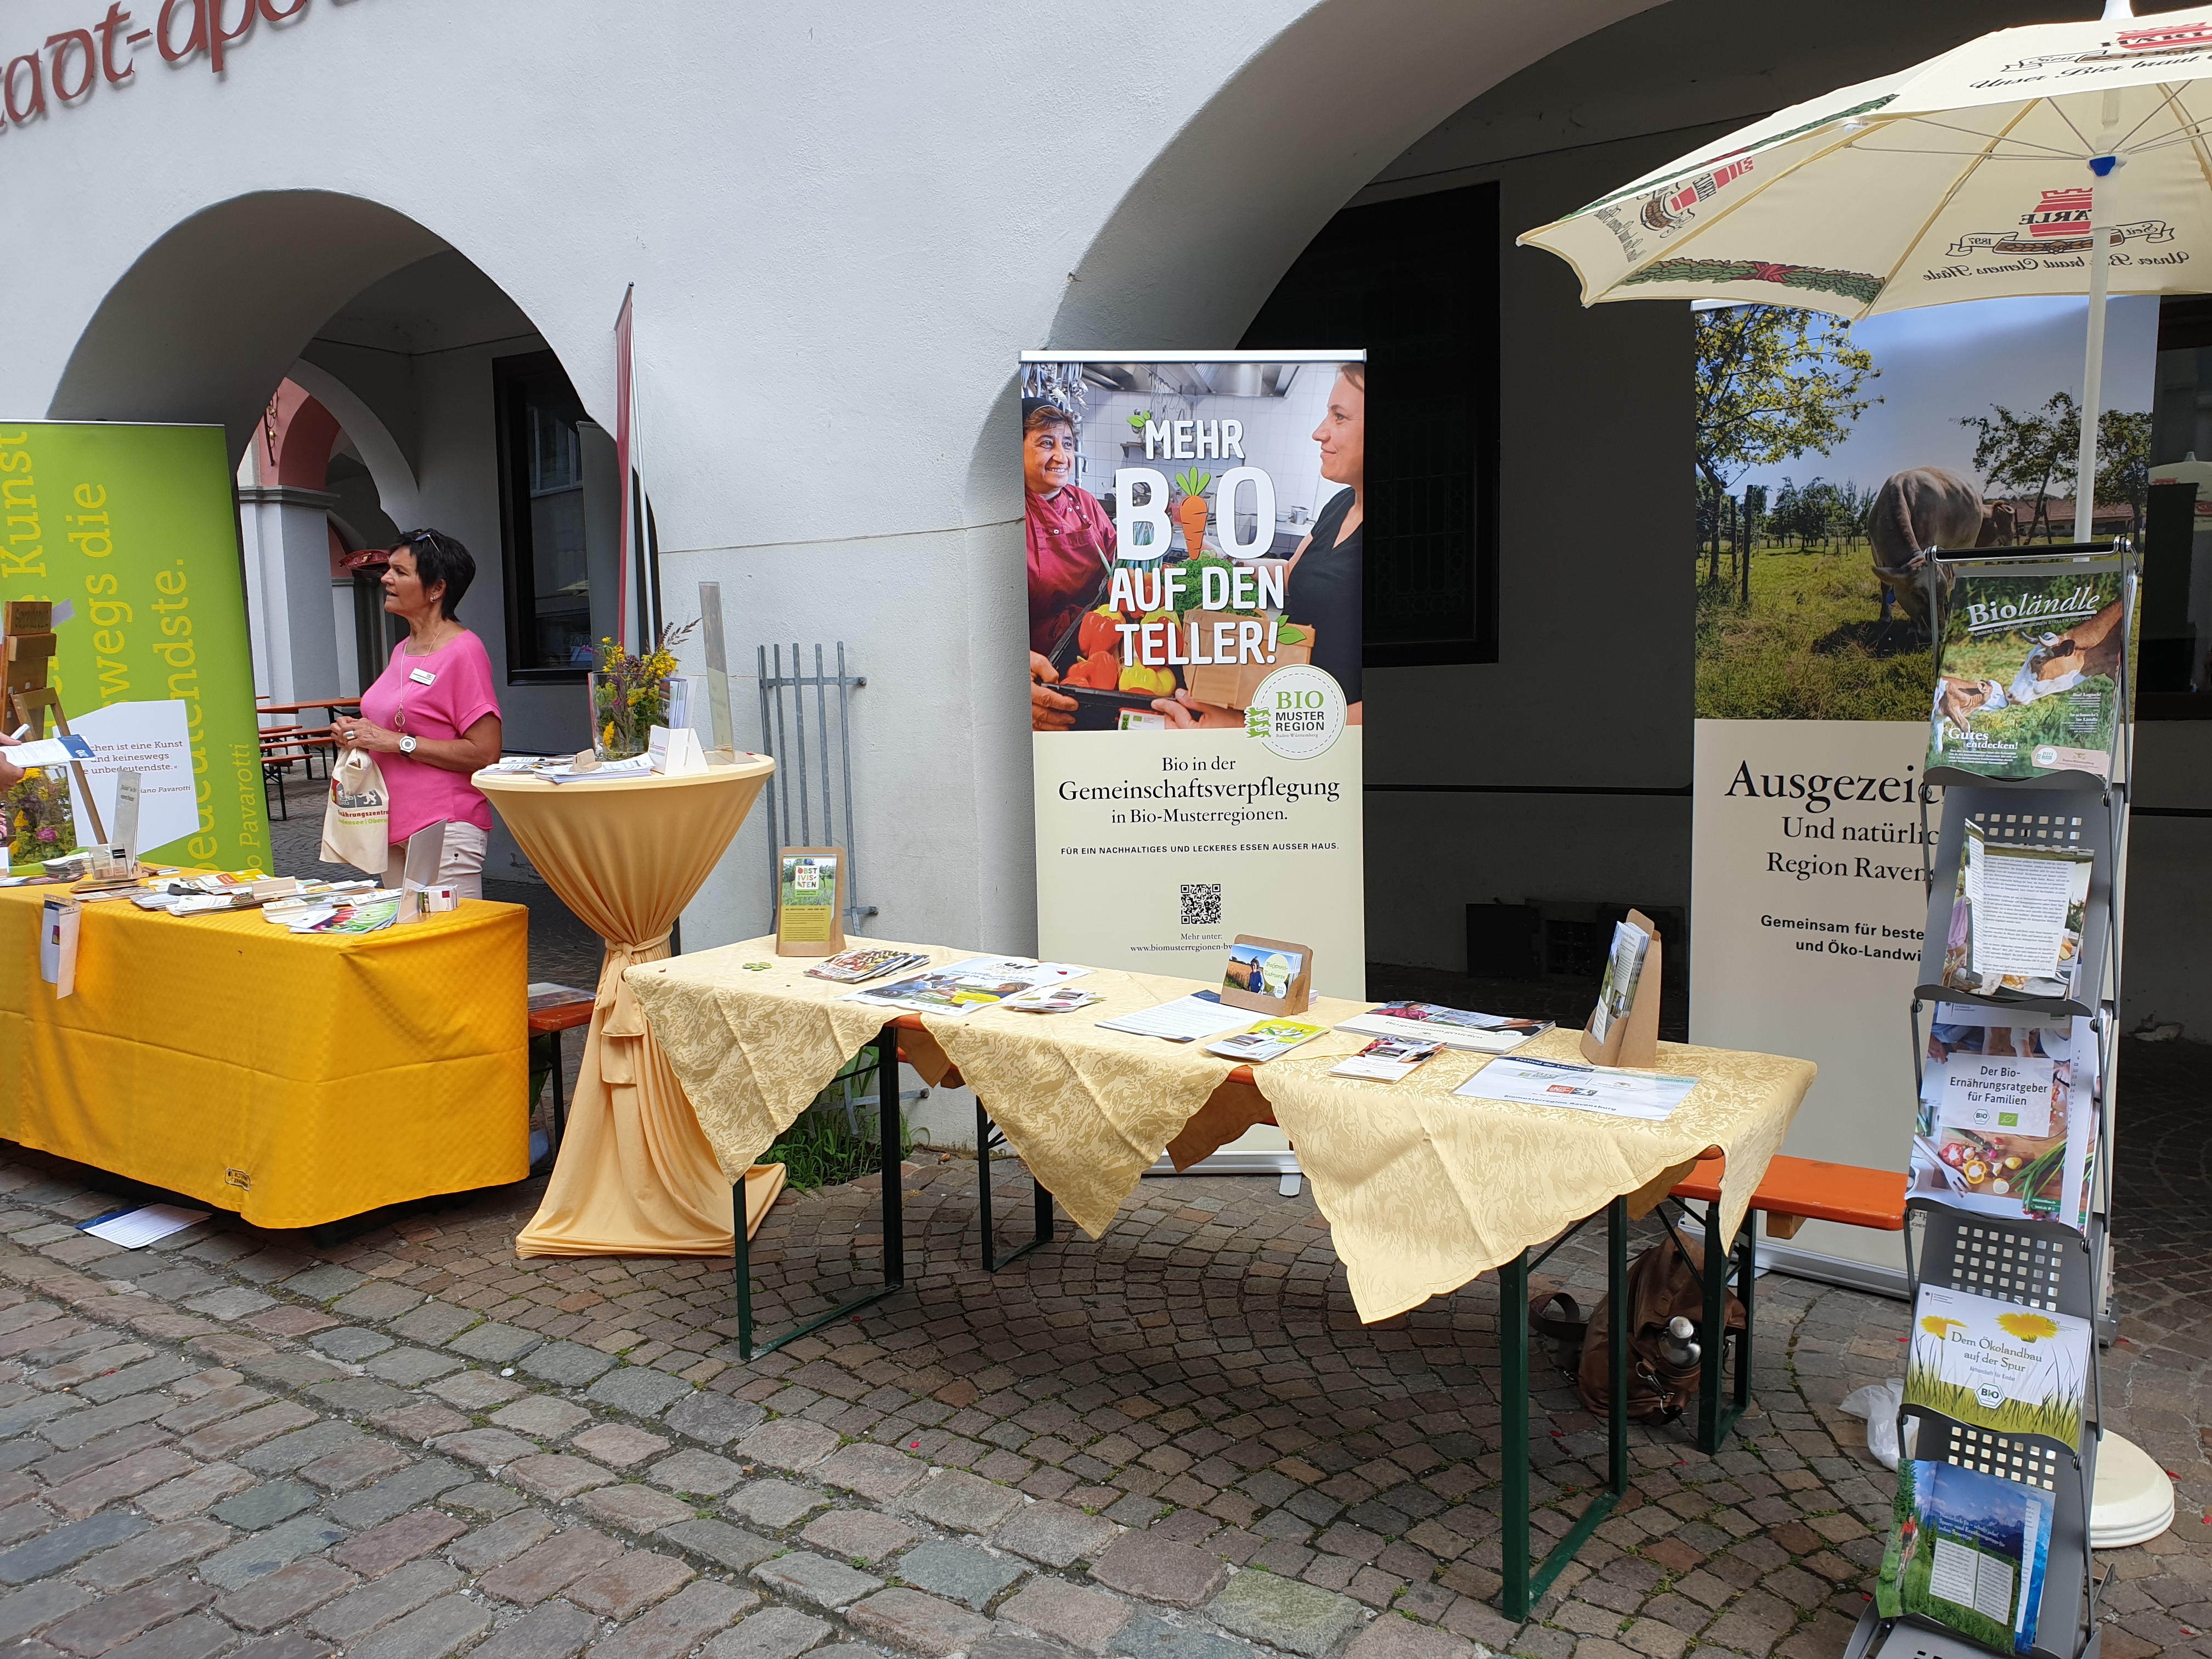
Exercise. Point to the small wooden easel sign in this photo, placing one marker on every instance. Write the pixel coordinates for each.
(1624, 1027)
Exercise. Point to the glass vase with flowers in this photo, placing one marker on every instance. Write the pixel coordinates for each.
(630, 693)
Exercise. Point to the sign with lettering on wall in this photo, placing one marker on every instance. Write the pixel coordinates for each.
(137, 528)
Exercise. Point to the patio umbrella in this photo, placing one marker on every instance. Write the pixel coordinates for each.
(2061, 158)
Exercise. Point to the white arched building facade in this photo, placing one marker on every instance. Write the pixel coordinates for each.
(840, 226)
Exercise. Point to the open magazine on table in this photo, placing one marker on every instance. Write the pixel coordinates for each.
(961, 989)
(1455, 1028)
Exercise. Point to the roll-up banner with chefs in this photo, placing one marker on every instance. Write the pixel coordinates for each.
(1195, 573)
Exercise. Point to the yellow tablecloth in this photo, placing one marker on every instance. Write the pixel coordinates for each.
(293, 1080)
(635, 1176)
(1423, 1190)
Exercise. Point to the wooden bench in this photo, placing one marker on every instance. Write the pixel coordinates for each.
(546, 1024)
(1794, 1190)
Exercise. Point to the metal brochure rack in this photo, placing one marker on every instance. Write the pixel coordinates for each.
(2037, 1264)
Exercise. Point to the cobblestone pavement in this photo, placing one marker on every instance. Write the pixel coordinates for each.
(1178, 1442)
(1175, 1443)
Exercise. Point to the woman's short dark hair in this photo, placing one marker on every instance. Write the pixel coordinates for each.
(1040, 412)
(440, 558)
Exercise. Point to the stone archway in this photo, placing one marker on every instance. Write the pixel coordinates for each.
(206, 322)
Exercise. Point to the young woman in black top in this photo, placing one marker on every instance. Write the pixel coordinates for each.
(1325, 586)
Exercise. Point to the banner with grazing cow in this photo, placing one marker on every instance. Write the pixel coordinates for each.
(1831, 460)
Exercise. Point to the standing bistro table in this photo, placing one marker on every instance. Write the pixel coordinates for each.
(1423, 1189)
(296, 1079)
(635, 1176)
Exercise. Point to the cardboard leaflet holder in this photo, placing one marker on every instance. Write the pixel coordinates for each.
(1267, 976)
(1630, 1035)
(810, 911)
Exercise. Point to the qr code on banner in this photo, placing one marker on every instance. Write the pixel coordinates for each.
(1201, 904)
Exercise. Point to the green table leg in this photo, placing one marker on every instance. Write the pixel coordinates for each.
(1524, 1585)
(1716, 1418)
(887, 1100)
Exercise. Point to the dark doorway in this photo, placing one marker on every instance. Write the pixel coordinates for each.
(1415, 283)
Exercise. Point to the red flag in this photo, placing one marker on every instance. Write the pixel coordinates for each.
(623, 433)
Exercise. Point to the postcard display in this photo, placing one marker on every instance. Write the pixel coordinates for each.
(2007, 1207)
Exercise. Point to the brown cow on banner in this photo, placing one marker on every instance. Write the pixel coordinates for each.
(1914, 512)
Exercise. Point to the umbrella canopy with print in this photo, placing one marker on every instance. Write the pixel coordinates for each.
(2058, 158)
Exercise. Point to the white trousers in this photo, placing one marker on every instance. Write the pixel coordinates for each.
(460, 869)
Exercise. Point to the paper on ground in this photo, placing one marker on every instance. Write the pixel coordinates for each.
(141, 1227)
(1642, 1095)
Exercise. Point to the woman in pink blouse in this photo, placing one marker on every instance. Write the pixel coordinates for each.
(431, 719)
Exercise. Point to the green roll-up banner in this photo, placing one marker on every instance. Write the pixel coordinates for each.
(137, 528)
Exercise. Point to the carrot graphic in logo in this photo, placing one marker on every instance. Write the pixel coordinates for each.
(1192, 511)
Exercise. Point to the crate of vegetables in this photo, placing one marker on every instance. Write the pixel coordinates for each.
(1233, 686)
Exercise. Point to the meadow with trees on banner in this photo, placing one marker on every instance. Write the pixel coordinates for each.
(1791, 622)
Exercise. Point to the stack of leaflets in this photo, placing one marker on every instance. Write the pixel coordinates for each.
(362, 913)
(1971, 1529)
(637, 766)
(1455, 1028)
(2027, 671)
(1606, 1089)
(961, 989)
(1265, 1041)
(2012, 1368)
(1051, 999)
(1186, 1019)
(1968, 1550)
(2007, 1123)
(1624, 966)
(1387, 1060)
(2016, 918)
(858, 967)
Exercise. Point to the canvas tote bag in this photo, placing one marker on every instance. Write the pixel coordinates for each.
(355, 822)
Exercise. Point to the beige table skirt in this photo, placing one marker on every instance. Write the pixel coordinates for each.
(1423, 1189)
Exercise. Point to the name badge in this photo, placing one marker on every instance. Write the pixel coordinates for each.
(423, 677)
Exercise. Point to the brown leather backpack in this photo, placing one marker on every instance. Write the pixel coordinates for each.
(1666, 1280)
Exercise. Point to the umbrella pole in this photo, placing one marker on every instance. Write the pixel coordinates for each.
(2093, 387)
(2092, 367)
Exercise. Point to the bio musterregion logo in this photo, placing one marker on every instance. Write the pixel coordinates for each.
(1297, 712)
(2058, 223)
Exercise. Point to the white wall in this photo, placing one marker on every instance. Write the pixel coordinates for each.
(842, 228)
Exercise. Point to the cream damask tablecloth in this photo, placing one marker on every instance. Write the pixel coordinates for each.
(1422, 1189)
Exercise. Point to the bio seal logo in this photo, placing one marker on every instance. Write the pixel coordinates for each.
(1298, 712)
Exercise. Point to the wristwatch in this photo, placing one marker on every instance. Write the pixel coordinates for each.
(407, 744)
